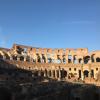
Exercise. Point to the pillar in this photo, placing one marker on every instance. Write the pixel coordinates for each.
(72, 59)
(59, 74)
(39, 73)
(4, 57)
(52, 74)
(46, 60)
(11, 58)
(82, 75)
(45, 73)
(56, 74)
(18, 58)
(94, 59)
(24, 58)
(48, 73)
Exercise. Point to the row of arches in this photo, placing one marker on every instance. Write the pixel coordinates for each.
(44, 59)
(57, 74)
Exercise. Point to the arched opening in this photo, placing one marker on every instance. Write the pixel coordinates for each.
(58, 59)
(63, 73)
(21, 58)
(35, 73)
(28, 58)
(70, 75)
(75, 59)
(49, 60)
(7, 56)
(86, 59)
(57, 73)
(92, 57)
(86, 73)
(70, 58)
(45, 71)
(14, 57)
(19, 50)
(1, 57)
(64, 59)
(80, 61)
(38, 58)
(53, 72)
(97, 59)
(42, 73)
(49, 72)
(43, 58)
(92, 73)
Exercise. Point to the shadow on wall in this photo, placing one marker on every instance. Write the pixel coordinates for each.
(54, 90)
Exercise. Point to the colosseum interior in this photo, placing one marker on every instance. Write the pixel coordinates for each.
(61, 64)
(31, 73)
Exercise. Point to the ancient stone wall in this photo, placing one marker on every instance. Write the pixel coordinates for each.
(55, 63)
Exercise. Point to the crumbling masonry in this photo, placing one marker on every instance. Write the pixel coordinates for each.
(54, 63)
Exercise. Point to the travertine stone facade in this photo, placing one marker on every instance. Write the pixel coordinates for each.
(55, 63)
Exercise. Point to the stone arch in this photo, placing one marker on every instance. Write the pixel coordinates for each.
(70, 58)
(38, 58)
(28, 58)
(70, 75)
(86, 59)
(92, 58)
(75, 59)
(49, 73)
(86, 73)
(7, 56)
(14, 57)
(63, 73)
(80, 60)
(42, 72)
(98, 76)
(43, 58)
(98, 59)
(34, 56)
(59, 59)
(46, 73)
(49, 60)
(64, 59)
(1, 54)
(21, 58)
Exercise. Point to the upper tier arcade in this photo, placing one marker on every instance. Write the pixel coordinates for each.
(49, 55)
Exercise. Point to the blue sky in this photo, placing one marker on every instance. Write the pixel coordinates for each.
(50, 23)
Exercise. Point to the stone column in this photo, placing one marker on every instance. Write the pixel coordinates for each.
(18, 58)
(11, 58)
(82, 75)
(56, 74)
(82, 60)
(39, 73)
(4, 57)
(46, 60)
(24, 58)
(94, 59)
(52, 74)
(36, 60)
(72, 59)
(59, 75)
(47, 73)
(44, 73)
